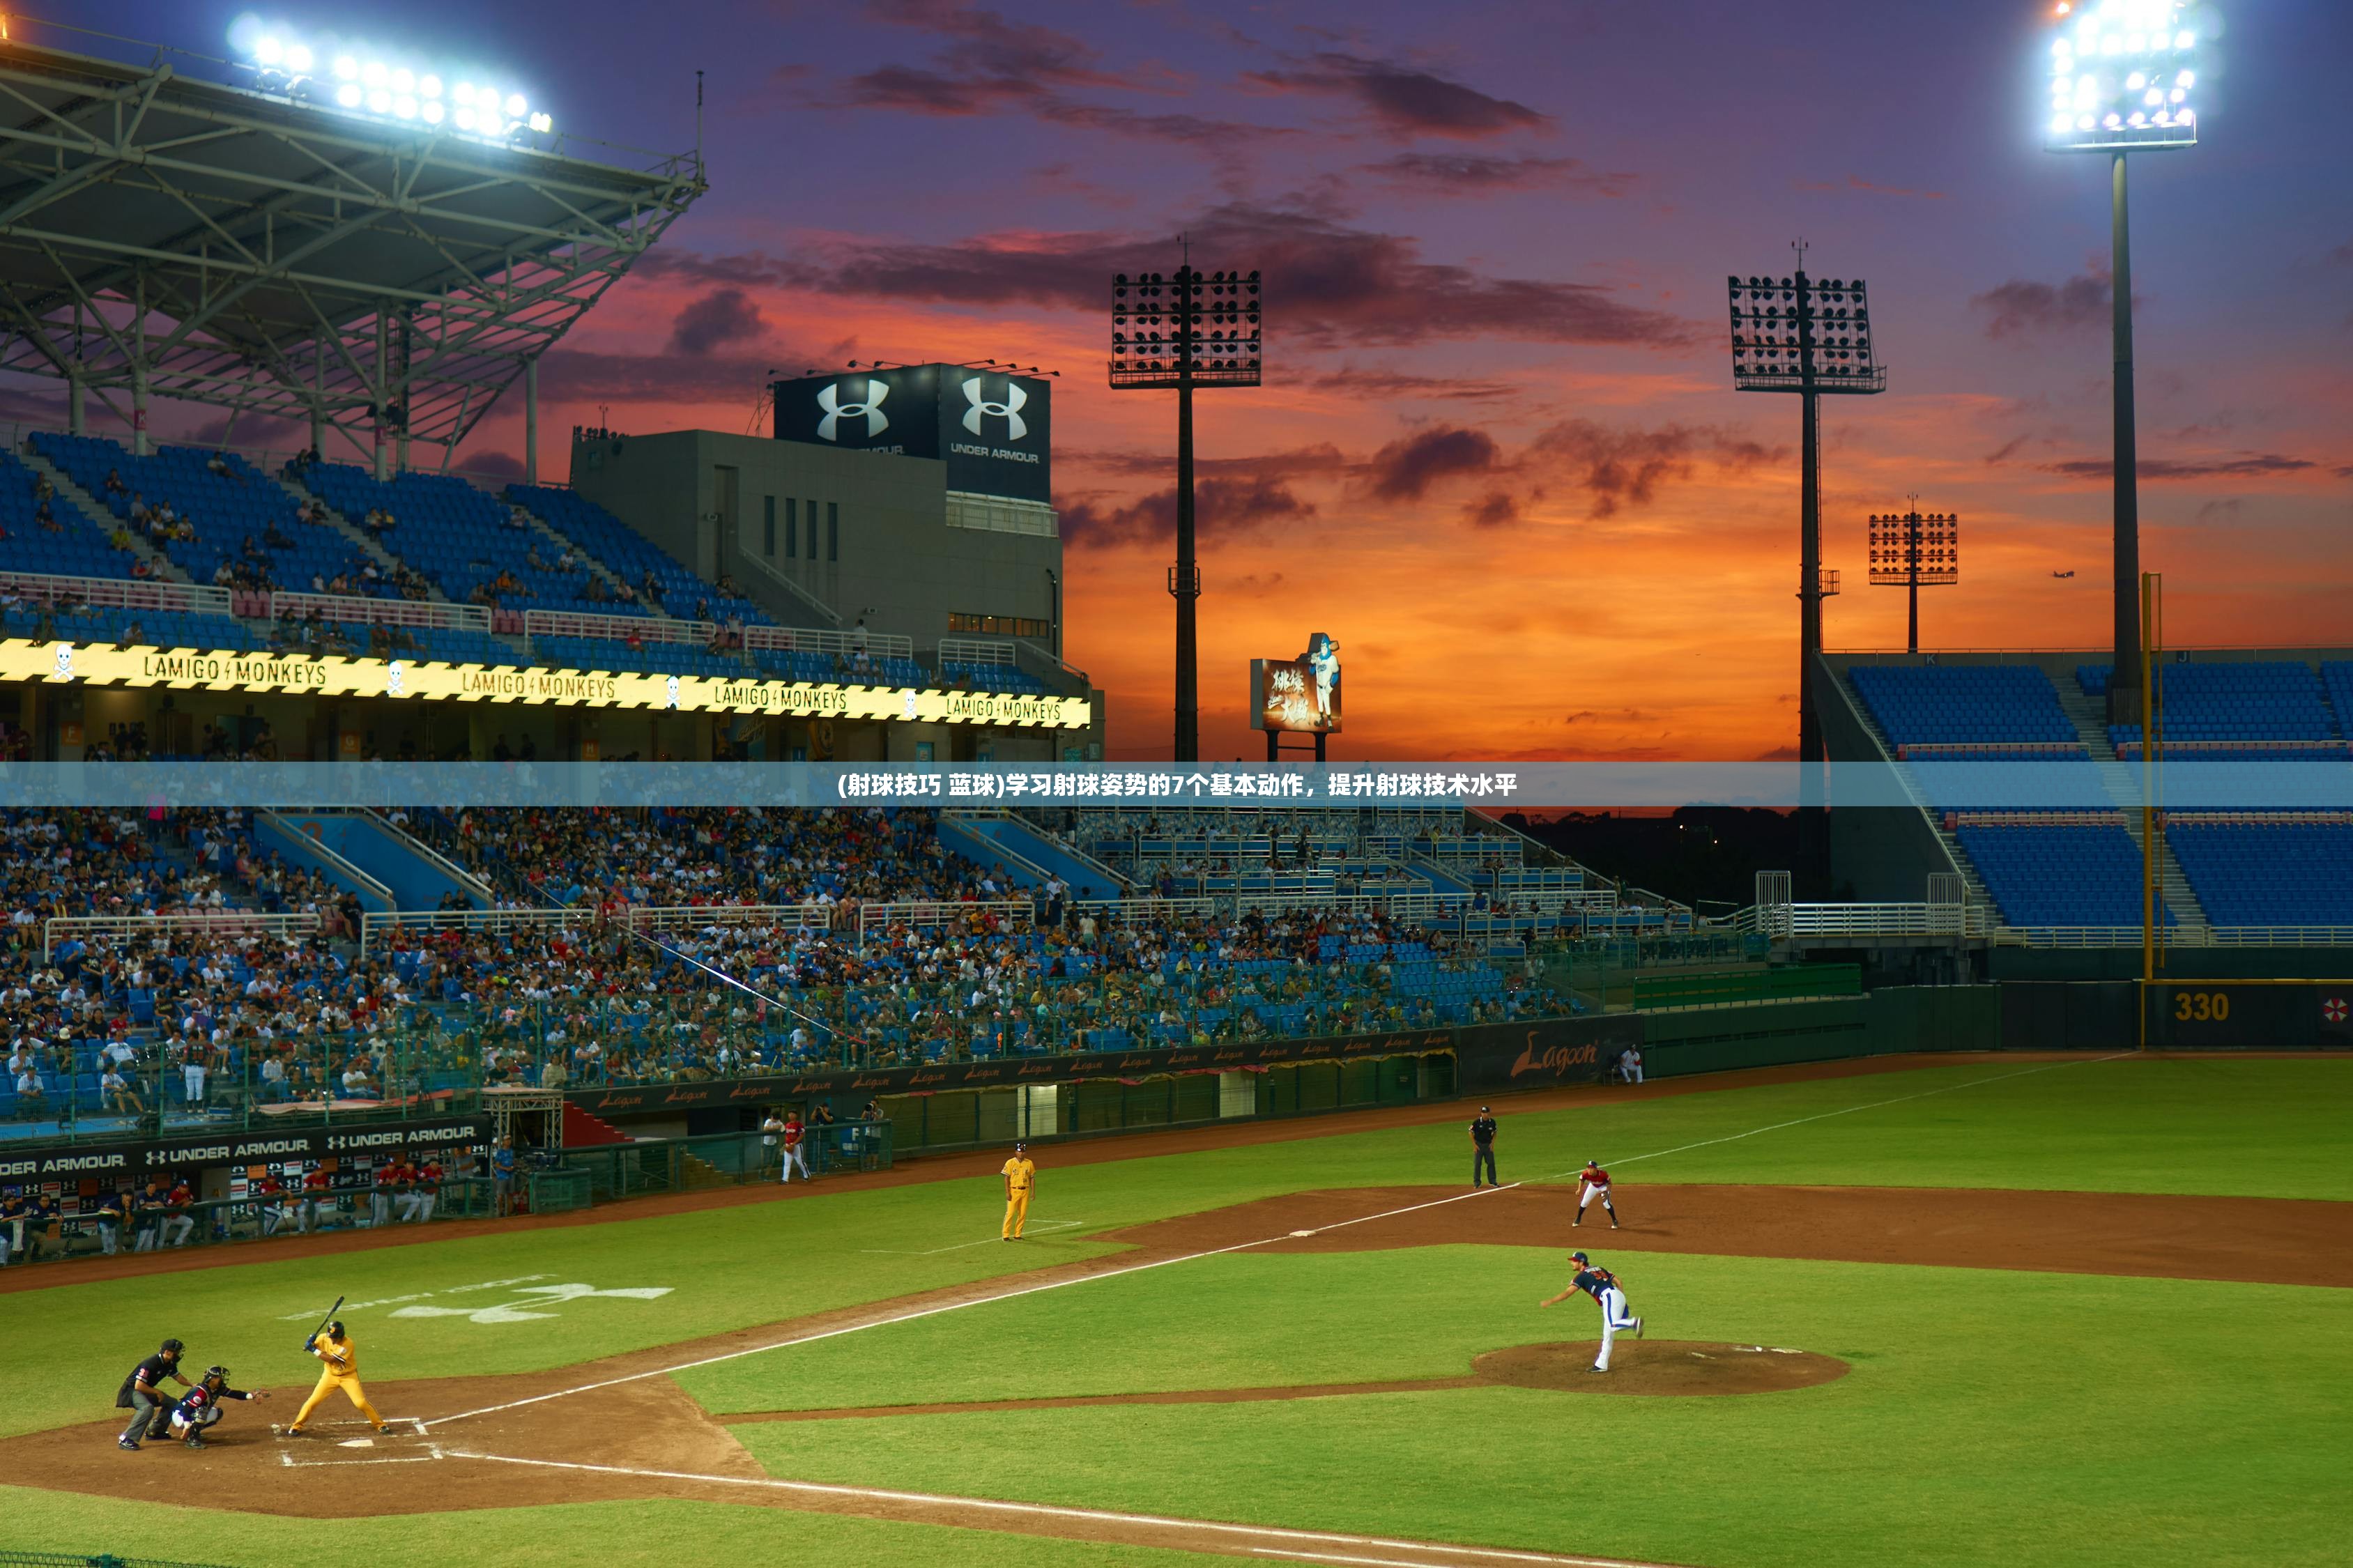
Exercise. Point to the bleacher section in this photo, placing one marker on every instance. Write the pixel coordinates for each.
(1988, 741)
(651, 657)
(2253, 872)
(1967, 704)
(630, 555)
(71, 545)
(2223, 701)
(151, 628)
(459, 538)
(232, 515)
(1004, 677)
(2059, 875)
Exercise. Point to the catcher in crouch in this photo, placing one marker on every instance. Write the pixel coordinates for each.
(341, 1370)
(200, 1406)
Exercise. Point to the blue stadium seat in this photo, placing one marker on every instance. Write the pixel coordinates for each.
(1960, 704)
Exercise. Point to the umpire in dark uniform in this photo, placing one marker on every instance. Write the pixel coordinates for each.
(1482, 1149)
(142, 1395)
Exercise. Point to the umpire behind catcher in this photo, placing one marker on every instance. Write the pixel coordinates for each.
(1482, 1149)
(142, 1395)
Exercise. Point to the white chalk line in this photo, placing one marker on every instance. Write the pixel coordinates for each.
(952, 1307)
(1850, 1110)
(1041, 1227)
(1050, 1510)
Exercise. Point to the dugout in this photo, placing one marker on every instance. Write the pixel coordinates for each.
(946, 1119)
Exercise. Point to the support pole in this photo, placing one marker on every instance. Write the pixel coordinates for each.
(531, 420)
(383, 388)
(1186, 585)
(76, 410)
(2148, 830)
(139, 447)
(1912, 574)
(1812, 830)
(2124, 702)
(318, 395)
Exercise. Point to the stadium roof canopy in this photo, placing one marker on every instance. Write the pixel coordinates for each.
(162, 234)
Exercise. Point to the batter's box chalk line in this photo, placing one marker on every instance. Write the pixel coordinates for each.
(430, 1452)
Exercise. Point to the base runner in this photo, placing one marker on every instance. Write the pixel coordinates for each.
(1594, 1183)
(1608, 1295)
(341, 1370)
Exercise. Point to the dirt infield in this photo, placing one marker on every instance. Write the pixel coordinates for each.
(2278, 1241)
(1085, 1150)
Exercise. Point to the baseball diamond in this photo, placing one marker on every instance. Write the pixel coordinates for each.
(1813, 1252)
(720, 976)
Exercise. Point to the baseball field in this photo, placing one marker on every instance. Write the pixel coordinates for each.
(1963, 1310)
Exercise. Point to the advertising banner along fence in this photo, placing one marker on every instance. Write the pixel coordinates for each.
(195, 1150)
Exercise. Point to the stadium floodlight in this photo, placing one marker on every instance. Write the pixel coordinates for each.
(395, 90)
(1808, 336)
(1913, 550)
(2123, 78)
(1180, 331)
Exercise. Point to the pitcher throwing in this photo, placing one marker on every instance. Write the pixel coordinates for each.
(1602, 1286)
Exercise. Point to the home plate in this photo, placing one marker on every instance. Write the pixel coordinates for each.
(356, 1443)
(1302, 1233)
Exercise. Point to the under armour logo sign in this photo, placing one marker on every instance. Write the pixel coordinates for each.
(829, 399)
(1009, 410)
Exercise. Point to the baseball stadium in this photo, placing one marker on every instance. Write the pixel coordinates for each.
(694, 984)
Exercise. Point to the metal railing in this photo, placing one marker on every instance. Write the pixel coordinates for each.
(357, 609)
(615, 629)
(801, 639)
(2177, 936)
(927, 914)
(1782, 922)
(210, 923)
(975, 650)
(376, 930)
(118, 592)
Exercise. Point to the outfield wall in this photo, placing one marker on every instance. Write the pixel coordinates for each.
(1891, 1020)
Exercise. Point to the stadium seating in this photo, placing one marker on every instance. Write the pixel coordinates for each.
(2255, 700)
(152, 628)
(232, 515)
(1001, 677)
(70, 546)
(651, 658)
(630, 555)
(2268, 873)
(2061, 874)
(459, 537)
(1960, 704)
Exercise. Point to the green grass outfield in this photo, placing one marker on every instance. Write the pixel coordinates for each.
(2066, 1418)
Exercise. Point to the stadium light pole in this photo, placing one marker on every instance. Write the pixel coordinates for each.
(1913, 552)
(1186, 329)
(1809, 337)
(2123, 79)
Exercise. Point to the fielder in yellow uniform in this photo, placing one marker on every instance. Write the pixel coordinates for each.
(1020, 1179)
(341, 1369)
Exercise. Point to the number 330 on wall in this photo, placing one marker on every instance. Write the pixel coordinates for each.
(2202, 1006)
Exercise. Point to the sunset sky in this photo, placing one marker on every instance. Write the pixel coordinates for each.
(1498, 456)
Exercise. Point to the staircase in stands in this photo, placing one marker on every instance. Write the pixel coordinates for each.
(105, 521)
(2122, 780)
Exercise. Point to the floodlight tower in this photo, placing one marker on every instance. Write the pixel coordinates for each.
(1189, 329)
(1915, 551)
(1801, 335)
(2124, 78)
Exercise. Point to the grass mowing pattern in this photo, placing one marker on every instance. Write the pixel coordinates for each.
(1985, 1411)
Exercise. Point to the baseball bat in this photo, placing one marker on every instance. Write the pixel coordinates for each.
(328, 1318)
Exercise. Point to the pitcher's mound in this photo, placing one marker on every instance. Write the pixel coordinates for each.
(1659, 1366)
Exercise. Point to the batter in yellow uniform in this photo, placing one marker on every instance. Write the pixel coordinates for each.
(341, 1370)
(1020, 1177)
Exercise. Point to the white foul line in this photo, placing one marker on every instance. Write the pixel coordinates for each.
(1042, 1227)
(994, 1505)
(1850, 1110)
(952, 1307)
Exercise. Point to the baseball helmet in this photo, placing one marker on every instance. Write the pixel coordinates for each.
(1020, 1148)
(173, 1347)
(335, 1328)
(1579, 1258)
(216, 1375)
